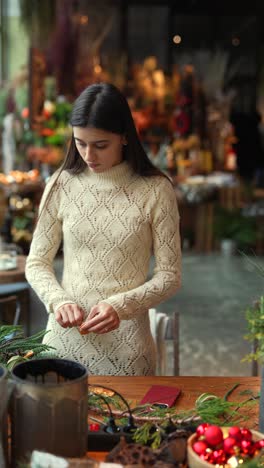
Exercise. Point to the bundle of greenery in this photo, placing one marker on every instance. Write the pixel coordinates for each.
(15, 347)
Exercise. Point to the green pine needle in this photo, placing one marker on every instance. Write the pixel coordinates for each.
(255, 324)
(210, 408)
(213, 410)
(14, 343)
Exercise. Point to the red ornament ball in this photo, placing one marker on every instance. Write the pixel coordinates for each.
(246, 446)
(256, 447)
(208, 457)
(200, 447)
(214, 435)
(94, 427)
(259, 444)
(219, 457)
(235, 432)
(228, 444)
(201, 429)
(246, 434)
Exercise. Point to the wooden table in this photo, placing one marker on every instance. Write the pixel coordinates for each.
(134, 388)
(16, 275)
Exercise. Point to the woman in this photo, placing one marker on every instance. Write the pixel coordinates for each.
(112, 209)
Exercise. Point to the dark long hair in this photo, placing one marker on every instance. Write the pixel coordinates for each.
(103, 106)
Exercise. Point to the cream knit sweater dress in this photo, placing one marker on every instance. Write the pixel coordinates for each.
(110, 224)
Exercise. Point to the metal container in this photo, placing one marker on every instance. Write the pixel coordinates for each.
(49, 408)
(3, 417)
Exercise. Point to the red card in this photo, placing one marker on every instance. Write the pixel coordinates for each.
(161, 395)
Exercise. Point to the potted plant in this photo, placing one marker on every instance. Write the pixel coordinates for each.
(234, 230)
(255, 322)
(255, 335)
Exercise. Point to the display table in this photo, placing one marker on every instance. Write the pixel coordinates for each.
(17, 274)
(13, 283)
(133, 388)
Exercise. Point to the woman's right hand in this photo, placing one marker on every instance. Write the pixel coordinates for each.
(69, 315)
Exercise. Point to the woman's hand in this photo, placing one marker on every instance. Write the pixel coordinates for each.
(69, 315)
(102, 319)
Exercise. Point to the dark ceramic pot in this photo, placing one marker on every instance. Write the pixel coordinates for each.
(49, 408)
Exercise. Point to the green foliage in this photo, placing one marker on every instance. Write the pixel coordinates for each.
(56, 140)
(149, 434)
(62, 112)
(208, 408)
(54, 130)
(256, 462)
(22, 221)
(14, 343)
(233, 225)
(97, 401)
(255, 324)
(211, 408)
(259, 269)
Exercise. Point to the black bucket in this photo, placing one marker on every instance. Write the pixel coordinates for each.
(49, 408)
(3, 417)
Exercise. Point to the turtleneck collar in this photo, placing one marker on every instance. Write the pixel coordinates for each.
(116, 175)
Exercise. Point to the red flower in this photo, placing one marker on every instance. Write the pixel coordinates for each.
(25, 113)
(47, 132)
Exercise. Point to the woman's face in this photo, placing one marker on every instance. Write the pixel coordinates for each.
(100, 150)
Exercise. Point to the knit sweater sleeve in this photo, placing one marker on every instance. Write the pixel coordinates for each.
(44, 246)
(167, 252)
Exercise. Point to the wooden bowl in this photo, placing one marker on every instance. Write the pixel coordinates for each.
(194, 461)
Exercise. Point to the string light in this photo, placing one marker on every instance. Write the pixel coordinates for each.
(84, 19)
(177, 39)
(97, 69)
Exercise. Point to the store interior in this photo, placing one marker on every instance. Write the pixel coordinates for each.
(129, 335)
(194, 81)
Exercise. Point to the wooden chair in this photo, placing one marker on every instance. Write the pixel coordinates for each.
(165, 331)
(172, 334)
(20, 291)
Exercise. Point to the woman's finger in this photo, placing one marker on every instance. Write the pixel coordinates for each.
(105, 326)
(91, 322)
(93, 312)
(78, 315)
(64, 318)
(69, 315)
(102, 327)
(58, 317)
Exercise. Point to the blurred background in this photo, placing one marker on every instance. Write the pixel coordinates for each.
(193, 74)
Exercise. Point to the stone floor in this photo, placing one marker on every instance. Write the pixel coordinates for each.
(212, 301)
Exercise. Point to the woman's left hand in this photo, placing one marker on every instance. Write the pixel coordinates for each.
(102, 319)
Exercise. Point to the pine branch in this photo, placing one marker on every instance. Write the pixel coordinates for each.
(6, 330)
(208, 408)
(255, 323)
(14, 343)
